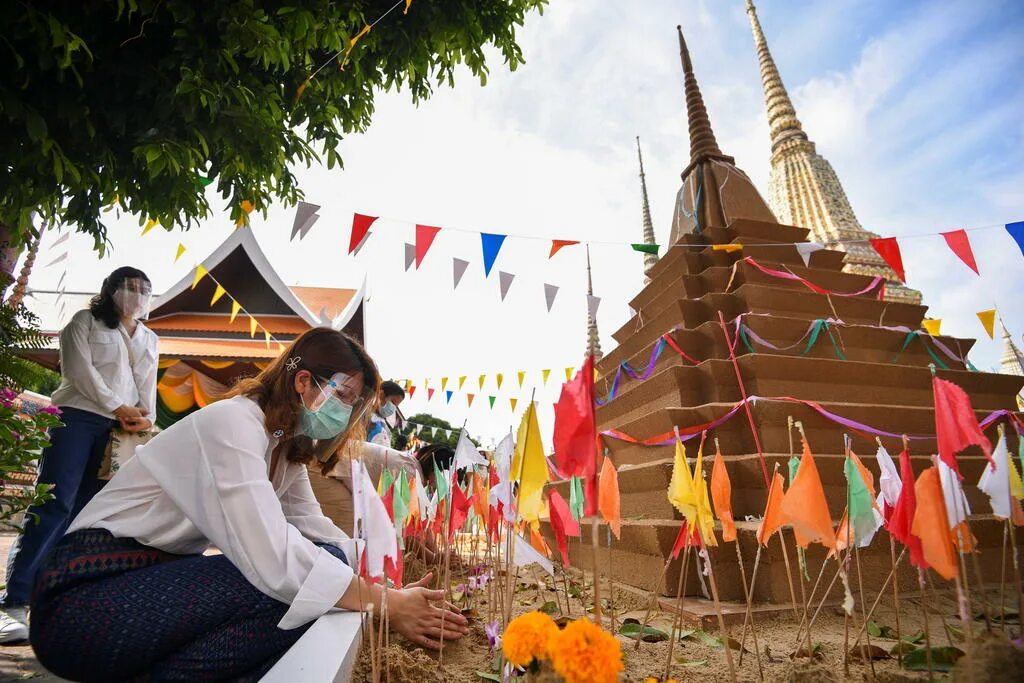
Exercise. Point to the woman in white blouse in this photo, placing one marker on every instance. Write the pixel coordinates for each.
(108, 362)
(128, 593)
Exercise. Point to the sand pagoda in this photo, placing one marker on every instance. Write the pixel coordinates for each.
(861, 368)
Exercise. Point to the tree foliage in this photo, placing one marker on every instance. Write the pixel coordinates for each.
(19, 332)
(142, 103)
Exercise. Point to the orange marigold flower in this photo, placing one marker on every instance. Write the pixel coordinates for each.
(583, 652)
(526, 638)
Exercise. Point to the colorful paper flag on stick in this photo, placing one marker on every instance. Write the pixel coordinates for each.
(235, 308)
(861, 508)
(705, 519)
(529, 467)
(773, 516)
(181, 250)
(218, 292)
(932, 326)
(550, 292)
(466, 454)
(646, 248)
(902, 519)
(562, 524)
(888, 481)
(305, 216)
(721, 495)
(460, 510)
(608, 500)
(1016, 231)
(960, 244)
(956, 426)
(988, 321)
(360, 229)
(372, 519)
(200, 273)
(889, 249)
(458, 270)
(995, 480)
(504, 282)
(680, 487)
(930, 525)
(558, 244)
(425, 235)
(491, 244)
(806, 507)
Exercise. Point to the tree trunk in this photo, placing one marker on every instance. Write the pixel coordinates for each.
(9, 253)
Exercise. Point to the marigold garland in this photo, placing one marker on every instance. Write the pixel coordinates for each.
(526, 638)
(583, 652)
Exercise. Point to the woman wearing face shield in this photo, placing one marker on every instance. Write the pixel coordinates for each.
(388, 417)
(108, 362)
(128, 592)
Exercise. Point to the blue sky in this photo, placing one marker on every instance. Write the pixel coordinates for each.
(916, 104)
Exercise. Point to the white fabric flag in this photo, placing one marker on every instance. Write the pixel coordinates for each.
(995, 480)
(371, 522)
(592, 304)
(410, 255)
(889, 483)
(466, 454)
(957, 508)
(504, 282)
(550, 291)
(458, 270)
(305, 216)
(502, 491)
(525, 554)
(805, 249)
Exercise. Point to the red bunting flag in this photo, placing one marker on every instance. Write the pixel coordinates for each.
(425, 235)
(956, 426)
(889, 249)
(961, 246)
(562, 523)
(558, 244)
(575, 432)
(430, 393)
(412, 390)
(360, 227)
(901, 521)
(460, 509)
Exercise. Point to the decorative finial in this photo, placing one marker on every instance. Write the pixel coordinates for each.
(702, 139)
(782, 120)
(650, 260)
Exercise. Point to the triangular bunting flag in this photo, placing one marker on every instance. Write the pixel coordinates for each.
(1016, 231)
(448, 396)
(305, 216)
(410, 255)
(266, 338)
(235, 308)
(512, 402)
(961, 246)
(200, 273)
(490, 399)
(558, 244)
(727, 248)
(550, 291)
(252, 326)
(932, 326)
(462, 380)
(805, 249)
(217, 293)
(544, 374)
(57, 260)
(889, 249)
(568, 374)
(61, 240)
(646, 248)
(988, 321)
(498, 377)
(444, 383)
(181, 250)
(469, 399)
(504, 282)
(491, 244)
(430, 393)
(458, 270)
(521, 375)
(425, 235)
(150, 224)
(360, 229)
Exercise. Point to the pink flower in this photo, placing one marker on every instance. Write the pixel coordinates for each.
(50, 410)
(7, 397)
(493, 631)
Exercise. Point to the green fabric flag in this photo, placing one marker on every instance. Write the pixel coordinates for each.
(794, 465)
(440, 483)
(646, 248)
(386, 479)
(861, 512)
(491, 400)
(202, 181)
(576, 497)
(401, 500)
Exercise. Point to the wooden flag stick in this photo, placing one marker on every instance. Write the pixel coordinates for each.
(1002, 578)
(718, 606)
(748, 615)
(942, 615)
(927, 630)
(595, 544)
(863, 609)
(878, 599)
(677, 621)
(650, 605)
(810, 598)
(1016, 571)
(753, 627)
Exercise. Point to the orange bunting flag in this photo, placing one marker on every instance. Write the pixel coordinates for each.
(773, 515)
(469, 399)
(806, 507)
(408, 3)
(608, 496)
(930, 524)
(351, 45)
(721, 495)
(512, 402)
(266, 338)
(558, 244)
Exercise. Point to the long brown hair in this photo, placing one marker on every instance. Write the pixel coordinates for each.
(323, 352)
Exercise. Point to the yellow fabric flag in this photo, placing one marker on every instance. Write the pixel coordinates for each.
(512, 402)
(407, 4)
(522, 376)
(498, 378)
(727, 248)
(200, 273)
(444, 383)
(181, 250)
(680, 487)
(988, 319)
(150, 224)
(235, 308)
(530, 468)
(462, 380)
(544, 374)
(568, 374)
(482, 378)
(705, 518)
(218, 293)
(252, 326)
(932, 326)
(1016, 485)
(266, 338)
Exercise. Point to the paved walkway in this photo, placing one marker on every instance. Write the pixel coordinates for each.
(17, 663)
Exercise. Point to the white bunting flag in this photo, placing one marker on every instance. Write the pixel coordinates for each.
(305, 216)
(458, 270)
(57, 260)
(550, 291)
(505, 281)
(592, 304)
(410, 255)
(805, 249)
(62, 239)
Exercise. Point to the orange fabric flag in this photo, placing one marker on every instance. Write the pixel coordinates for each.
(721, 495)
(773, 514)
(608, 496)
(931, 525)
(480, 496)
(805, 505)
(844, 537)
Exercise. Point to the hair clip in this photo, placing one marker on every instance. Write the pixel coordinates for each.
(292, 364)
(278, 433)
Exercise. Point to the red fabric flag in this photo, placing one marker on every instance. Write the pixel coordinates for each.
(360, 226)
(389, 502)
(575, 432)
(961, 246)
(562, 523)
(686, 538)
(460, 509)
(558, 244)
(956, 427)
(901, 522)
(394, 570)
(889, 249)
(425, 235)
(412, 390)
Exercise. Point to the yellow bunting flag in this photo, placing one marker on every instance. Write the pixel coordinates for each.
(988, 319)
(252, 326)
(469, 399)
(408, 3)
(522, 376)
(512, 402)
(181, 250)
(280, 347)
(544, 374)
(235, 308)
(568, 374)
(530, 468)
(482, 378)
(217, 293)
(727, 248)
(266, 338)
(497, 378)
(150, 224)
(301, 89)
(462, 380)
(444, 383)
(932, 325)
(200, 273)
(351, 45)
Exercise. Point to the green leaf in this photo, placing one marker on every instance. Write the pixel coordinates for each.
(648, 634)
(549, 607)
(690, 663)
(943, 659)
(488, 676)
(874, 630)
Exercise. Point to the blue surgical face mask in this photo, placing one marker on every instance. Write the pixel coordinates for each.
(387, 410)
(330, 420)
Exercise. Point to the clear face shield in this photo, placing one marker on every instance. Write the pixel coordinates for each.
(328, 416)
(132, 298)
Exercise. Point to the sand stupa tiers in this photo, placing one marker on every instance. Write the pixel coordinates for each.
(876, 383)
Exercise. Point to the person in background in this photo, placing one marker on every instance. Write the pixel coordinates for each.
(387, 418)
(128, 593)
(108, 363)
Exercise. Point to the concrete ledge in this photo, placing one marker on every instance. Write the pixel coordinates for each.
(327, 653)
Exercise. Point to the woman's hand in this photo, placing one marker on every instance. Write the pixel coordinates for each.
(412, 614)
(136, 424)
(126, 412)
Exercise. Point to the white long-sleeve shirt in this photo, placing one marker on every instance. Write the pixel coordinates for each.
(96, 374)
(206, 481)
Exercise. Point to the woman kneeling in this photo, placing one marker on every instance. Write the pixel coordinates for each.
(128, 593)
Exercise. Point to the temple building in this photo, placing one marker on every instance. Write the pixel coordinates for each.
(803, 188)
(227, 319)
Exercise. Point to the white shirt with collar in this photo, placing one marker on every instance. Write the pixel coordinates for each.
(96, 373)
(206, 481)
